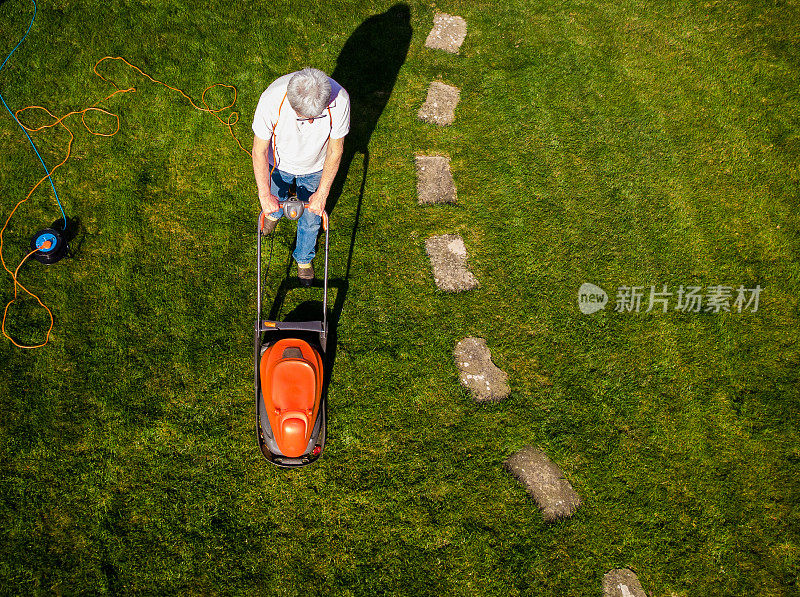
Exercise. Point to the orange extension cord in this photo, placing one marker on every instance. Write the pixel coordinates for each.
(233, 118)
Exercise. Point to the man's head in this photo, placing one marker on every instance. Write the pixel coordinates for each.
(309, 92)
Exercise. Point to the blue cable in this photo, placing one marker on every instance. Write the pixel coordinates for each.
(23, 128)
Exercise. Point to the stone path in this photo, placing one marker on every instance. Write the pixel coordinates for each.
(435, 184)
(542, 478)
(622, 583)
(448, 33)
(440, 105)
(479, 374)
(545, 482)
(434, 180)
(448, 257)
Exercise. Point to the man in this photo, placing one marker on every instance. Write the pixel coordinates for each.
(300, 124)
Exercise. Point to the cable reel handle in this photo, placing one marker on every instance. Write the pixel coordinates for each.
(295, 210)
(292, 208)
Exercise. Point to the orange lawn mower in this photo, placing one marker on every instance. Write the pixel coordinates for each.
(291, 408)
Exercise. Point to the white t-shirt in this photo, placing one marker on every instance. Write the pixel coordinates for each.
(300, 146)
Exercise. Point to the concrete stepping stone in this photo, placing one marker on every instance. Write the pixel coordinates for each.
(434, 180)
(479, 374)
(448, 257)
(622, 583)
(440, 105)
(448, 33)
(545, 483)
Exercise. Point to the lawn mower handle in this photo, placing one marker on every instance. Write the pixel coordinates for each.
(293, 203)
(259, 322)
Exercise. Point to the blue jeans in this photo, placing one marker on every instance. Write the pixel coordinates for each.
(309, 223)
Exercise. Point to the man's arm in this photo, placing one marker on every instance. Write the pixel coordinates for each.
(333, 157)
(268, 202)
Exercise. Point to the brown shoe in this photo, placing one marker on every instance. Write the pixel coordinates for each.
(269, 226)
(306, 274)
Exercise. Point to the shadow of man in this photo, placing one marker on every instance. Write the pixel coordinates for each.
(367, 67)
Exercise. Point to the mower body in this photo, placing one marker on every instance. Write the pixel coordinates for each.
(291, 410)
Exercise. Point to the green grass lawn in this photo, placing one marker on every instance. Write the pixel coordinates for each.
(623, 144)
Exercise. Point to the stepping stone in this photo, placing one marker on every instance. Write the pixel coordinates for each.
(449, 262)
(448, 33)
(434, 180)
(622, 583)
(479, 374)
(440, 105)
(545, 482)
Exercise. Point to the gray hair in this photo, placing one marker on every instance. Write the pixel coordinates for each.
(309, 92)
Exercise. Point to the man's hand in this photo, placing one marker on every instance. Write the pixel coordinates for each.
(316, 203)
(269, 203)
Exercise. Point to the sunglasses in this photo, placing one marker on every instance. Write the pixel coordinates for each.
(310, 120)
